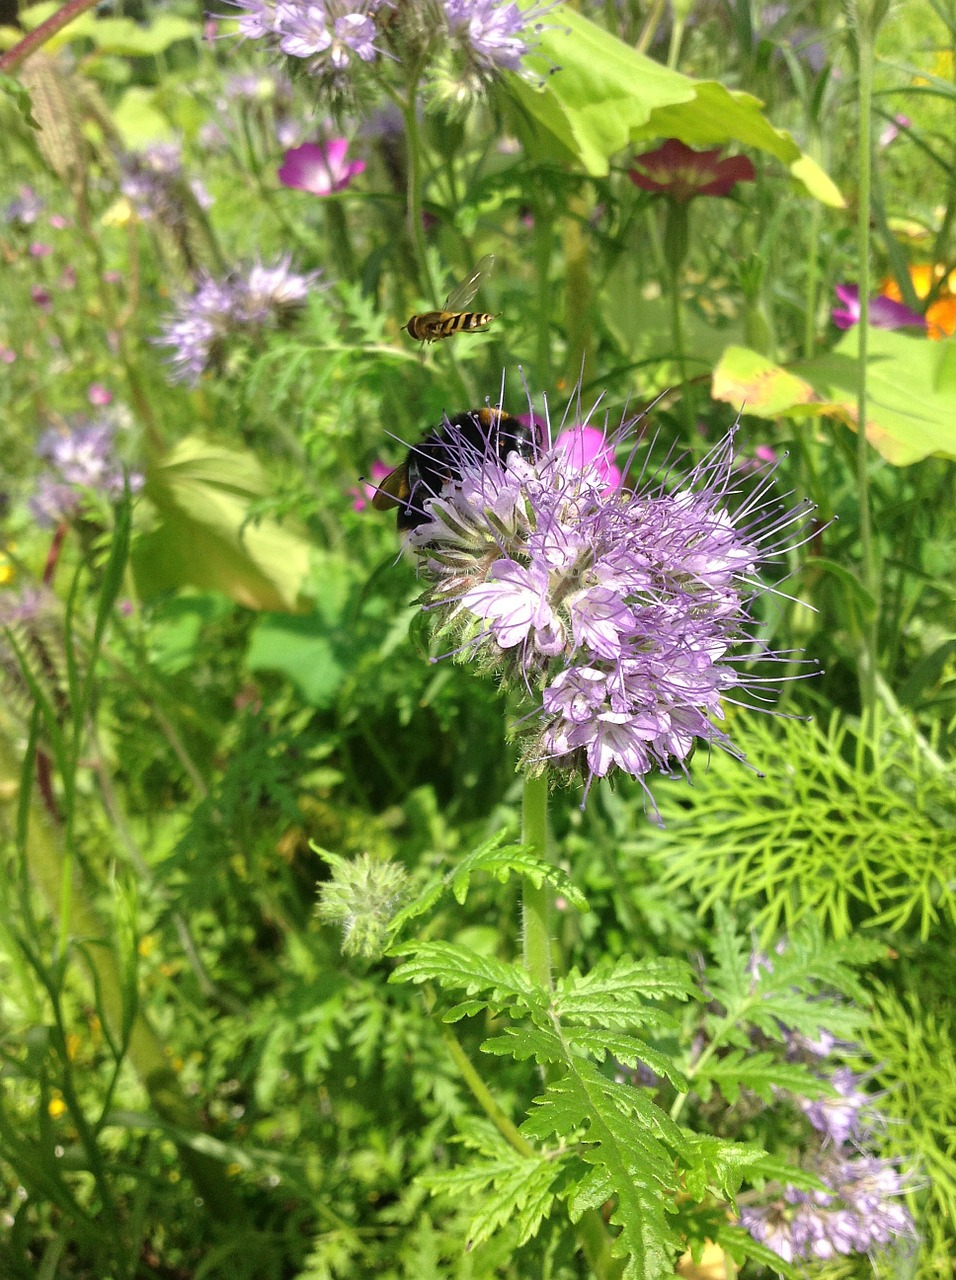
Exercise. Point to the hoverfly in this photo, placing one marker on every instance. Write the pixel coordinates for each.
(432, 326)
(434, 461)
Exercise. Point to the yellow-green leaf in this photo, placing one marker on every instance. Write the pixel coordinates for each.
(605, 95)
(204, 536)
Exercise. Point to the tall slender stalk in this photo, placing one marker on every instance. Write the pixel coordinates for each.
(536, 934)
(869, 567)
(50, 869)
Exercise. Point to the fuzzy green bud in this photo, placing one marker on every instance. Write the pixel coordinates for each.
(362, 896)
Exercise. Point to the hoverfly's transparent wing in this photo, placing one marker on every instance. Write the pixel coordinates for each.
(463, 293)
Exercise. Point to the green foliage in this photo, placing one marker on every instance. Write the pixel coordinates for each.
(229, 672)
(830, 830)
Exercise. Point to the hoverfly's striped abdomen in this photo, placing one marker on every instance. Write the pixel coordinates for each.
(432, 326)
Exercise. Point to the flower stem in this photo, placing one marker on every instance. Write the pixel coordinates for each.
(484, 1097)
(677, 337)
(38, 37)
(535, 900)
(868, 551)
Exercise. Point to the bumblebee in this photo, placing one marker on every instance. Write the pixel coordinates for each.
(434, 461)
(433, 326)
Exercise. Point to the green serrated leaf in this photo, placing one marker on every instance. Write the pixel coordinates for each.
(503, 861)
(522, 1043)
(615, 994)
(508, 1187)
(632, 1144)
(628, 1050)
(762, 1073)
(454, 967)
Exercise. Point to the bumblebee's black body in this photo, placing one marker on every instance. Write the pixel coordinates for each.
(434, 461)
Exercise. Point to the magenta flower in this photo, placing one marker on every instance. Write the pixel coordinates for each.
(891, 130)
(99, 395)
(588, 447)
(319, 167)
(362, 497)
(681, 173)
(885, 313)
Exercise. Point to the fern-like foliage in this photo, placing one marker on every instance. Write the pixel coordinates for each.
(593, 1138)
(916, 1050)
(798, 989)
(830, 830)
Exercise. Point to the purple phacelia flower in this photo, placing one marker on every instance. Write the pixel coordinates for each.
(25, 209)
(842, 1117)
(859, 1212)
(247, 302)
(616, 610)
(156, 185)
(330, 36)
(81, 465)
(497, 32)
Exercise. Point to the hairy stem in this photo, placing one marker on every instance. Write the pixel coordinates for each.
(37, 38)
(535, 901)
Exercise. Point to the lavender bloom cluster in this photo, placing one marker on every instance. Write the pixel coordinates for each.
(336, 38)
(82, 463)
(246, 302)
(155, 183)
(616, 610)
(861, 1210)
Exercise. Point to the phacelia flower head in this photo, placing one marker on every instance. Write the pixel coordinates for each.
(25, 209)
(860, 1212)
(81, 466)
(681, 173)
(333, 38)
(245, 303)
(155, 183)
(615, 610)
(319, 167)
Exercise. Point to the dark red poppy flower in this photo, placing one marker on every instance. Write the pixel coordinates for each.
(680, 173)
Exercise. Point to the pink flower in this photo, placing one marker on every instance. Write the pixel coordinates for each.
(58, 222)
(41, 297)
(680, 173)
(99, 395)
(588, 447)
(362, 497)
(40, 250)
(319, 167)
(892, 129)
(7, 356)
(885, 313)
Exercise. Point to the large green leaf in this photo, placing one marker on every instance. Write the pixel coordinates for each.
(315, 651)
(605, 95)
(911, 391)
(202, 494)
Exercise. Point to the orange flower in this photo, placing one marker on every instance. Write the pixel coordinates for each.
(941, 313)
